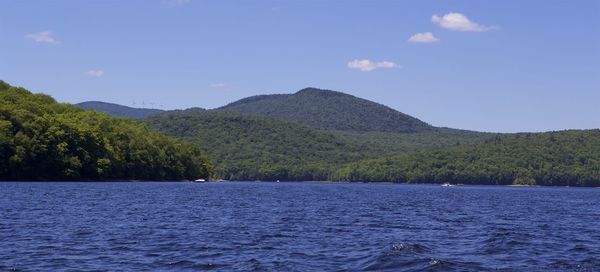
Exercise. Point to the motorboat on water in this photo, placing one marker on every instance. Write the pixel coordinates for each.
(447, 184)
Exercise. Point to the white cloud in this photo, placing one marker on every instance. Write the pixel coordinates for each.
(95, 73)
(218, 85)
(426, 37)
(366, 65)
(42, 37)
(459, 22)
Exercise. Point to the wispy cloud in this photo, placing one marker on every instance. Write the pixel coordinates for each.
(366, 65)
(95, 73)
(459, 22)
(42, 37)
(176, 2)
(426, 37)
(219, 85)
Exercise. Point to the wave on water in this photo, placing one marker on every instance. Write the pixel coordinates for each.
(411, 257)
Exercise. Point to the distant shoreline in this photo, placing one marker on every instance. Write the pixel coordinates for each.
(308, 182)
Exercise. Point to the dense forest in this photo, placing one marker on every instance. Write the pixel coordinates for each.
(41, 139)
(565, 158)
(394, 143)
(327, 109)
(251, 147)
(259, 148)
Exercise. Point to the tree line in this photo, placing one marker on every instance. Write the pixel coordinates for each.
(565, 158)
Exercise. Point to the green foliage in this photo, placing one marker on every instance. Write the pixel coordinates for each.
(329, 110)
(4, 85)
(259, 148)
(566, 158)
(118, 110)
(341, 137)
(392, 143)
(44, 140)
(250, 147)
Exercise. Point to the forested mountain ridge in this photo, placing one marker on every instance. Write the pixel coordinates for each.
(342, 115)
(331, 110)
(259, 148)
(41, 139)
(118, 110)
(269, 145)
(252, 147)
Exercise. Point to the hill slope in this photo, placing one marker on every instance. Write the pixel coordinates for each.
(254, 147)
(385, 142)
(329, 110)
(118, 110)
(565, 158)
(41, 139)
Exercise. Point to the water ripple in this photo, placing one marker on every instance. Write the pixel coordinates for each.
(296, 227)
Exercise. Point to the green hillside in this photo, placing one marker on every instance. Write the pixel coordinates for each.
(118, 110)
(393, 143)
(325, 135)
(332, 110)
(565, 158)
(41, 139)
(249, 146)
(258, 148)
(346, 116)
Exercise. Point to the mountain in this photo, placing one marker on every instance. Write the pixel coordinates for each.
(118, 110)
(305, 136)
(41, 139)
(348, 117)
(250, 146)
(331, 110)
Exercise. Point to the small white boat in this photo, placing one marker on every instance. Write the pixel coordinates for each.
(447, 184)
(200, 180)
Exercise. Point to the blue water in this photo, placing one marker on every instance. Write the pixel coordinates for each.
(296, 227)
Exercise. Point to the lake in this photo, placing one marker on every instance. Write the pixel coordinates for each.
(296, 227)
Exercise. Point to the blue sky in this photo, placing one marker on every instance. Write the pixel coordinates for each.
(502, 66)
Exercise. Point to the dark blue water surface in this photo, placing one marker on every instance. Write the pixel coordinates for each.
(296, 227)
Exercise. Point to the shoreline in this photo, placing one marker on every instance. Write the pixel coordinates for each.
(275, 182)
